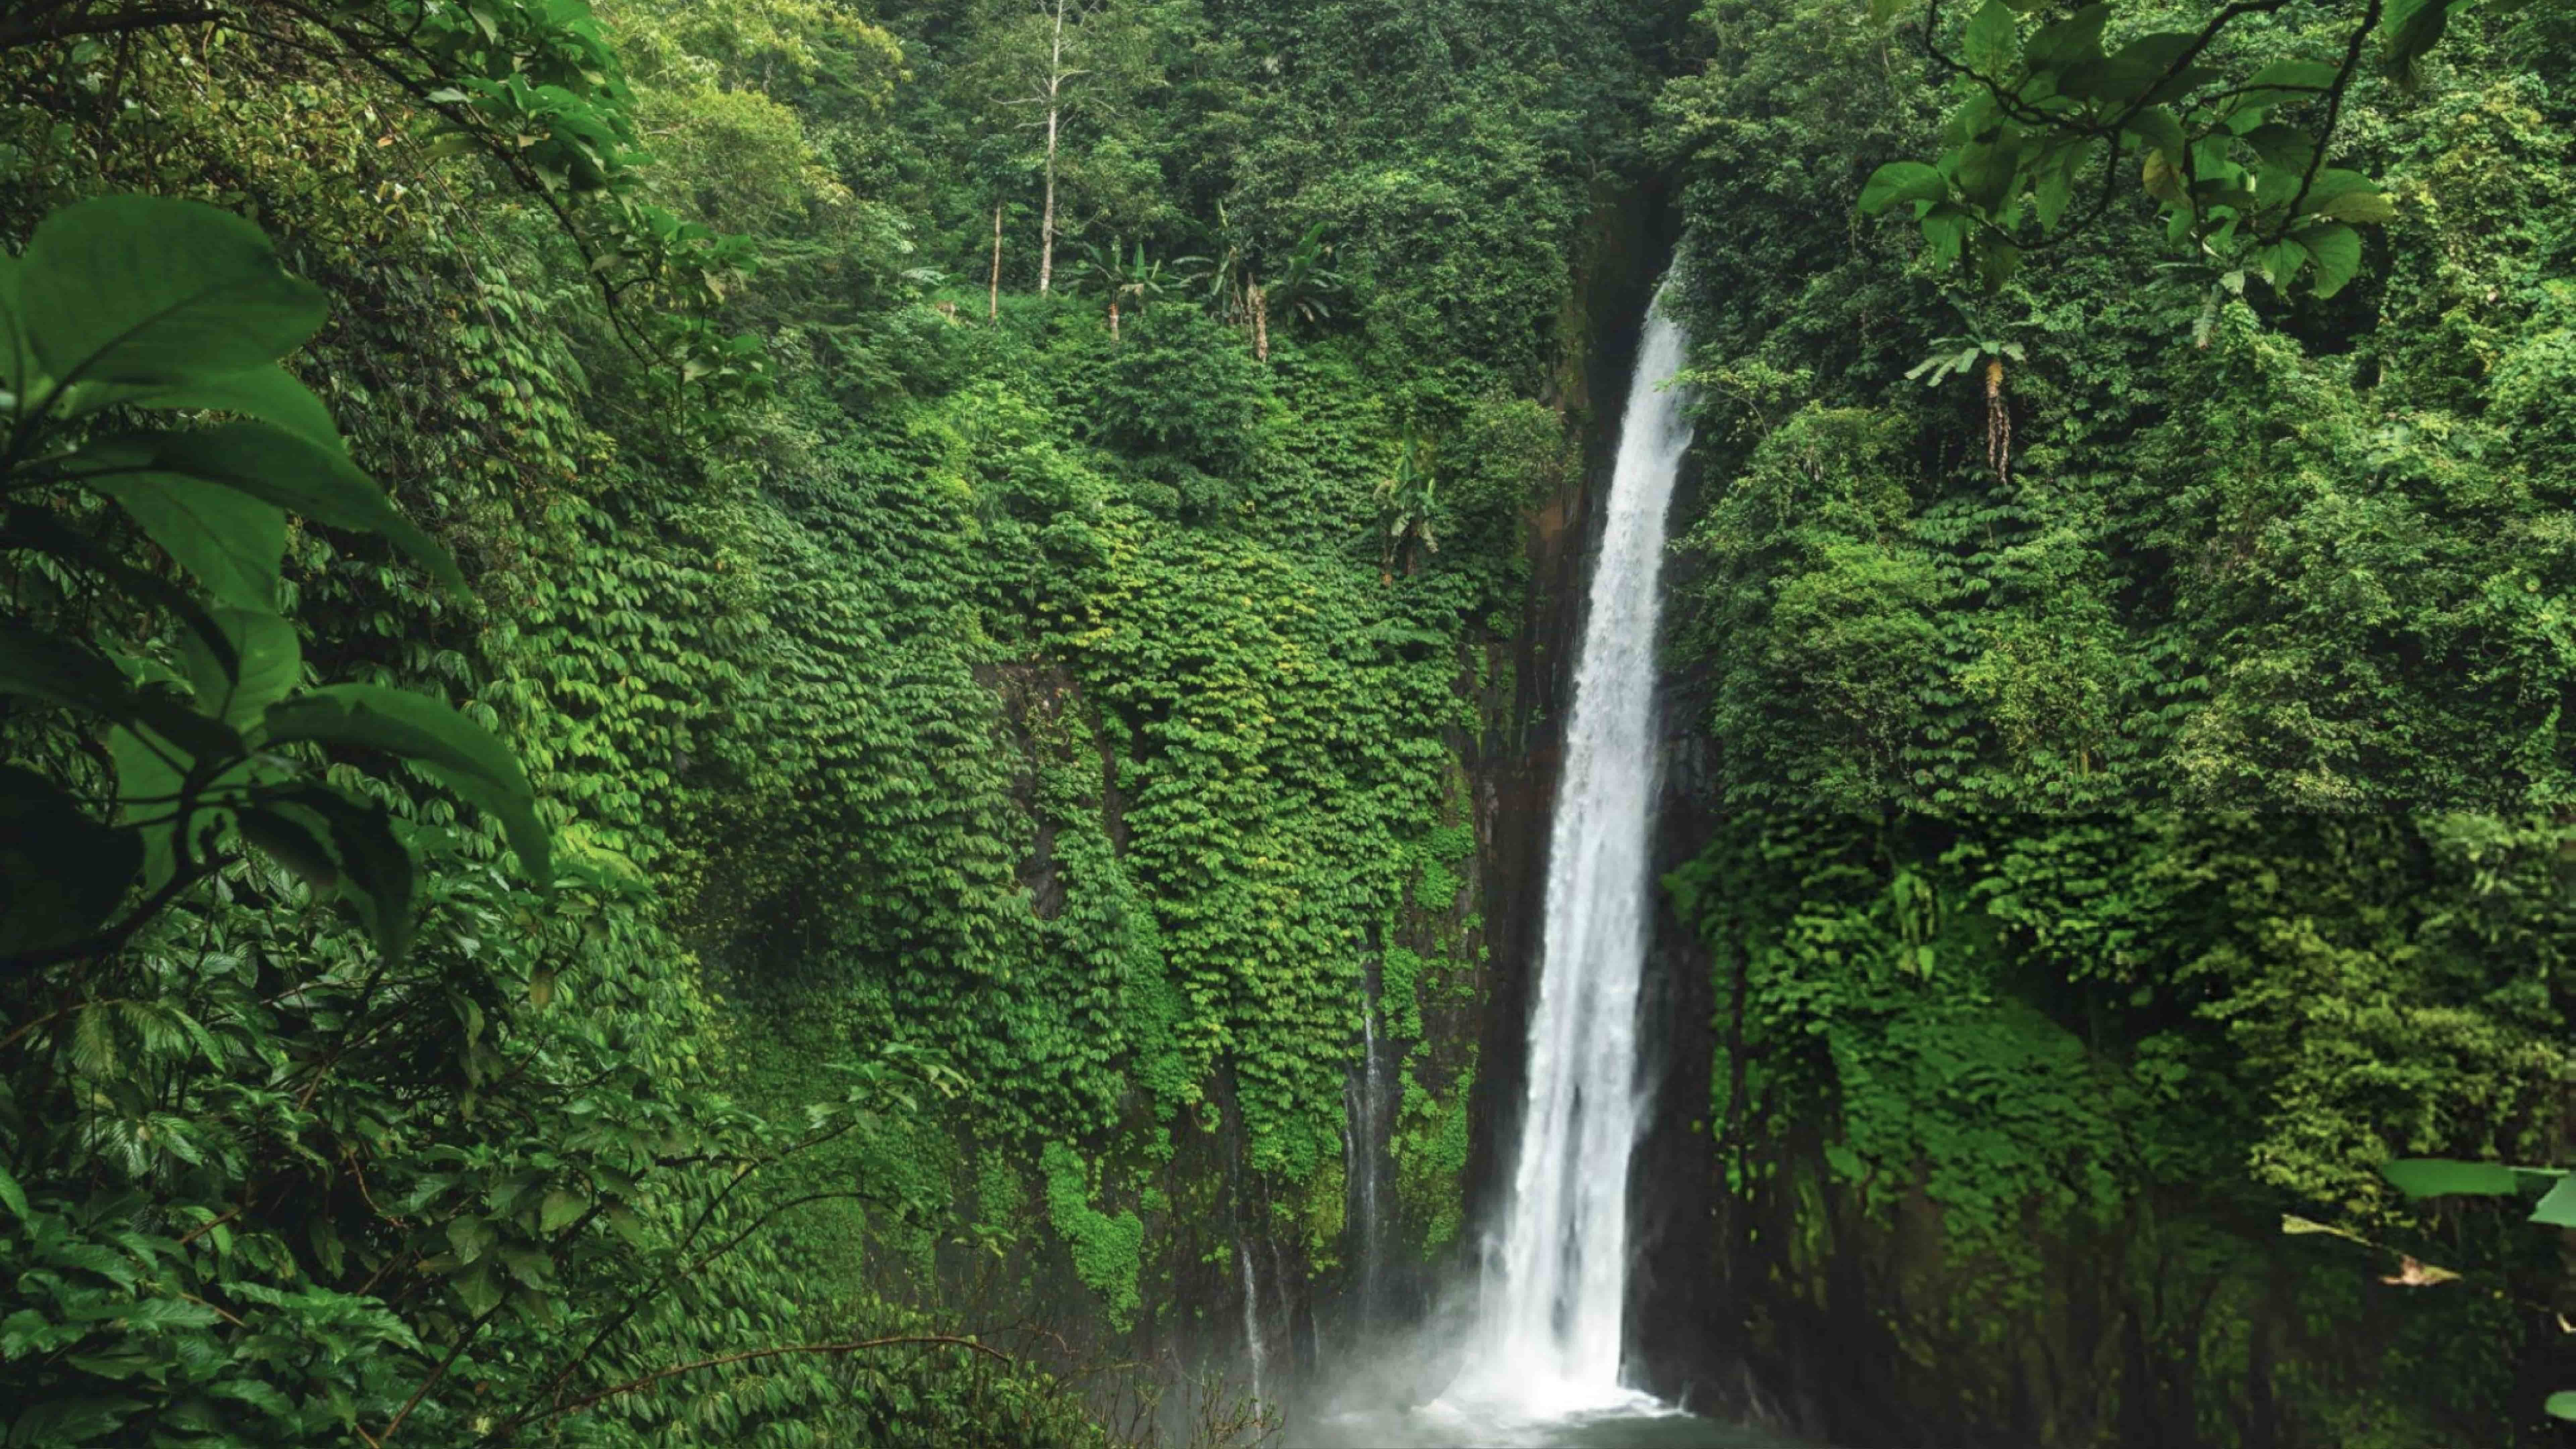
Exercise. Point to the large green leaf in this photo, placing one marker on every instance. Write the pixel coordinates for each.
(2561, 1405)
(41, 531)
(230, 541)
(2557, 1207)
(2077, 37)
(2346, 196)
(61, 872)
(2437, 1177)
(1992, 43)
(268, 393)
(2412, 28)
(141, 289)
(58, 671)
(334, 841)
(271, 664)
(2337, 249)
(1902, 181)
(149, 773)
(457, 752)
(276, 466)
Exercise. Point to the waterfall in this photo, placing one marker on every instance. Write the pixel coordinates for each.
(1253, 1346)
(1557, 1286)
(1365, 1162)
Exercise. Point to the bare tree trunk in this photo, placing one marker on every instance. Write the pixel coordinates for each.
(1113, 319)
(993, 309)
(1260, 321)
(1054, 112)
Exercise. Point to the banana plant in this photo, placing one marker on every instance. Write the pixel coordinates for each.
(1968, 355)
(1125, 276)
(1303, 287)
(1406, 499)
(123, 313)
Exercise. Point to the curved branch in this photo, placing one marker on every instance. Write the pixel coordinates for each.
(2334, 109)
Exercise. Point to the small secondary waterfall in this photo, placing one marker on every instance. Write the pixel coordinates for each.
(1253, 1345)
(1550, 1334)
(1368, 1121)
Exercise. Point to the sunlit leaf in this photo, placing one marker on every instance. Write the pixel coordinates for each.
(2557, 1208)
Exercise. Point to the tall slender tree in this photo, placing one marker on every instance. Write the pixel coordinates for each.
(1062, 34)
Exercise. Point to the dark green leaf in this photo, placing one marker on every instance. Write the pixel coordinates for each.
(2337, 249)
(2157, 128)
(2285, 147)
(1901, 181)
(278, 467)
(68, 1420)
(15, 365)
(1997, 261)
(457, 752)
(61, 872)
(142, 289)
(2436, 1177)
(28, 528)
(268, 393)
(292, 842)
(2126, 77)
(231, 543)
(2075, 38)
(2281, 261)
(2411, 29)
(271, 664)
(376, 875)
(54, 669)
(559, 1208)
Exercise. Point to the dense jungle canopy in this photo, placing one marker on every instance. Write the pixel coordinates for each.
(729, 722)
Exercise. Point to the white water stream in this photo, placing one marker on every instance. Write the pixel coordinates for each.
(1549, 1337)
(1254, 1345)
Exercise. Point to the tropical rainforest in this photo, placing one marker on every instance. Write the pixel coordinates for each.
(826, 722)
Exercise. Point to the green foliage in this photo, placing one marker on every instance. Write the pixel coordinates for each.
(2031, 1016)
(160, 305)
(1105, 1249)
(2228, 137)
(2034, 1037)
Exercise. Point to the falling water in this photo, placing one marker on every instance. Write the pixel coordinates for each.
(1549, 1339)
(1364, 1150)
(1253, 1346)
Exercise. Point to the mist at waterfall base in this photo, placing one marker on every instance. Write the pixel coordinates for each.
(1532, 1355)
